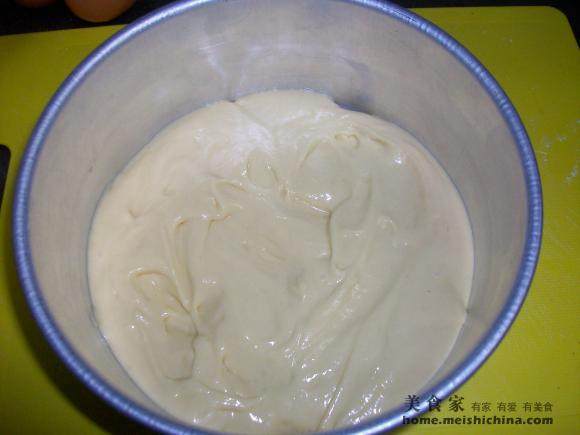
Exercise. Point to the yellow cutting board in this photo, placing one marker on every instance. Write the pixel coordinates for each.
(534, 56)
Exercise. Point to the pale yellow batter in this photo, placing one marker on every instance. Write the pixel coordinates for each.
(280, 264)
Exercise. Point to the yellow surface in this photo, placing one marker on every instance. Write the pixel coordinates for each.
(532, 53)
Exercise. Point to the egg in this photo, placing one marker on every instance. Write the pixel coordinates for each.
(98, 11)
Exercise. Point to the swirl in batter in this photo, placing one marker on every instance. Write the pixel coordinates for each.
(280, 265)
